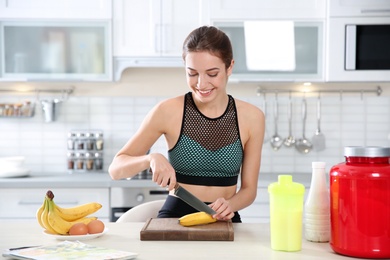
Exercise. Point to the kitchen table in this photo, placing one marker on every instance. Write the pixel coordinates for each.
(251, 241)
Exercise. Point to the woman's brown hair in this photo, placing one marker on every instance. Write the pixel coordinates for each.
(209, 38)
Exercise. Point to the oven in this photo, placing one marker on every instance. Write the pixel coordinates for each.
(123, 197)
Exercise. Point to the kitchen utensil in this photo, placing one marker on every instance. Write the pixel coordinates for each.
(170, 229)
(266, 135)
(191, 200)
(49, 109)
(303, 145)
(290, 140)
(276, 140)
(318, 139)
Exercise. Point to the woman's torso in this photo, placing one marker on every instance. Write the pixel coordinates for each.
(172, 130)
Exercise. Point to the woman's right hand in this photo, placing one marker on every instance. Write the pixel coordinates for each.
(163, 172)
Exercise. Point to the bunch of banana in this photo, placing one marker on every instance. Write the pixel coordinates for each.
(198, 218)
(57, 220)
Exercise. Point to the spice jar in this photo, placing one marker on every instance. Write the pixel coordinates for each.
(70, 142)
(89, 141)
(71, 161)
(79, 161)
(360, 203)
(98, 161)
(79, 141)
(99, 141)
(89, 161)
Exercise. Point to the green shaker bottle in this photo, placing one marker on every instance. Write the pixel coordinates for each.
(286, 207)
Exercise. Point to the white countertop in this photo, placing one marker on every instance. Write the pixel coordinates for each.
(80, 180)
(251, 241)
(103, 180)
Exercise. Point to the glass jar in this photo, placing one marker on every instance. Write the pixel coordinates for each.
(70, 141)
(360, 203)
(98, 161)
(80, 140)
(71, 158)
(89, 161)
(80, 161)
(89, 141)
(99, 141)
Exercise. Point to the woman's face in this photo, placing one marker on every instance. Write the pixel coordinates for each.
(207, 75)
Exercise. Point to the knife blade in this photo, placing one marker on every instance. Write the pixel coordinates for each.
(191, 200)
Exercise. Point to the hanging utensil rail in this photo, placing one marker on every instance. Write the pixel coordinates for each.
(67, 91)
(378, 91)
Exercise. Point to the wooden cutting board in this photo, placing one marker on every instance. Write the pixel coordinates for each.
(170, 229)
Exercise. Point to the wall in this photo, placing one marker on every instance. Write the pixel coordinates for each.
(118, 109)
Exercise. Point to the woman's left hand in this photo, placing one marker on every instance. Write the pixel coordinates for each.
(223, 209)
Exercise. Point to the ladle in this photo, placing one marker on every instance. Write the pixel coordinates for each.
(290, 140)
(276, 140)
(303, 145)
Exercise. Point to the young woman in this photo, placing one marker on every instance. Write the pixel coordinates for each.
(212, 137)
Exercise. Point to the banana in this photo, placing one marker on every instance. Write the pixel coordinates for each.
(60, 225)
(44, 218)
(198, 218)
(39, 213)
(77, 212)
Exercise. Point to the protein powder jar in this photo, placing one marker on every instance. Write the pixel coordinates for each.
(360, 203)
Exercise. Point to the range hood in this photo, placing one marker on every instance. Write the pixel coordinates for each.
(122, 63)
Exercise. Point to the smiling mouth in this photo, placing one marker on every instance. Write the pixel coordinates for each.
(204, 92)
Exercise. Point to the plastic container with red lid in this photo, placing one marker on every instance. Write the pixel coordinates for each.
(360, 203)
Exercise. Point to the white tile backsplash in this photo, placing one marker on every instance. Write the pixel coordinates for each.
(346, 120)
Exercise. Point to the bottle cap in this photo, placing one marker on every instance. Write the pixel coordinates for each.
(286, 186)
(318, 165)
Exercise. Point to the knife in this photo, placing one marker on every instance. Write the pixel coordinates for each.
(191, 200)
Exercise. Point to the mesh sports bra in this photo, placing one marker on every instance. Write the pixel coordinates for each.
(209, 150)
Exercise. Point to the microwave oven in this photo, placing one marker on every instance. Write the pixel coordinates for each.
(358, 49)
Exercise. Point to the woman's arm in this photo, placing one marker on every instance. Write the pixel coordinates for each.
(133, 157)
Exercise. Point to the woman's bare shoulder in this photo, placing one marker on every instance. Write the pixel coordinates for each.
(248, 109)
(170, 105)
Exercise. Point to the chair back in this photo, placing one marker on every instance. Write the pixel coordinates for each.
(142, 212)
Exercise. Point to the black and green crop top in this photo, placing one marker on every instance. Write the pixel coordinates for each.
(209, 150)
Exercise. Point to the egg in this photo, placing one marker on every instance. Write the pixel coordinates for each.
(95, 226)
(78, 229)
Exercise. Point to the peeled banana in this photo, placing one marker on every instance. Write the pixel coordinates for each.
(198, 218)
(57, 220)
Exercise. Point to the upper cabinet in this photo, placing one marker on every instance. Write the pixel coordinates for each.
(150, 33)
(278, 40)
(359, 8)
(64, 40)
(66, 51)
(265, 9)
(59, 9)
(276, 50)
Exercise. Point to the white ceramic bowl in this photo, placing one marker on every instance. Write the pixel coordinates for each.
(12, 162)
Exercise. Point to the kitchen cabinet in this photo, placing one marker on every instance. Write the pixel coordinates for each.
(151, 33)
(307, 47)
(61, 9)
(263, 9)
(55, 50)
(22, 203)
(359, 8)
